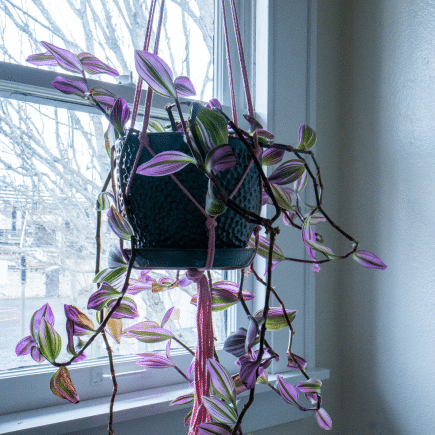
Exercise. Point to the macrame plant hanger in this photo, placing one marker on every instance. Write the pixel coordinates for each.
(205, 340)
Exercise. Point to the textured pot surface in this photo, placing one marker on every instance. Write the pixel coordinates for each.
(162, 216)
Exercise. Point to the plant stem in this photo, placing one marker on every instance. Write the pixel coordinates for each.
(115, 383)
(242, 414)
(184, 345)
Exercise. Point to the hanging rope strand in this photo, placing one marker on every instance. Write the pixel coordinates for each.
(145, 47)
(230, 70)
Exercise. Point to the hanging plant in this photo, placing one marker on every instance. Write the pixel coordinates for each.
(217, 167)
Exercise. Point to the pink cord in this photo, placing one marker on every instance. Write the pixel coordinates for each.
(204, 349)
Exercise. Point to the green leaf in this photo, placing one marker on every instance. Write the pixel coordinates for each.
(211, 128)
(219, 410)
(263, 248)
(327, 252)
(105, 200)
(114, 277)
(62, 386)
(222, 381)
(307, 137)
(120, 226)
(214, 206)
(50, 342)
(275, 318)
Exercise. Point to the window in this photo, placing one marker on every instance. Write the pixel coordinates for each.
(281, 71)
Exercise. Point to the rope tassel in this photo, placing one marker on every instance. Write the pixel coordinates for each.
(204, 348)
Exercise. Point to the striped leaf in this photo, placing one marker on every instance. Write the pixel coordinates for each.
(70, 88)
(101, 298)
(42, 59)
(62, 386)
(220, 158)
(64, 58)
(323, 419)
(369, 260)
(214, 429)
(114, 277)
(147, 334)
(287, 172)
(307, 137)
(50, 343)
(92, 65)
(184, 87)
(165, 163)
(275, 318)
(222, 381)
(312, 385)
(154, 361)
(219, 410)
(105, 200)
(182, 400)
(156, 73)
(283, 196)
(214, 206)
(263, 248)
(272, 156)
(103, 97)
(211, 128)
(126, 310)
(120, 226)
(287, 391)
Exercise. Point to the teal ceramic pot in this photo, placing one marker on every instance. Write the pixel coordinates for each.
(167, 223)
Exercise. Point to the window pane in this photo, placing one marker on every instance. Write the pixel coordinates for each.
(112, 30)
(52, 165)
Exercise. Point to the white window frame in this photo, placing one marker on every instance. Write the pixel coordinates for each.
(280, 41)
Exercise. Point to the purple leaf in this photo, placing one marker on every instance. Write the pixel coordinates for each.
(301, 182)
(167, 316)
(214, 429)
(144, 282)
(292, 364)
(182, 400)
(249, 371)
(100, 299)
(147, 332)
(214, 104)
(119, 115)
(251, 334)
(219, 410)
(61, 385)
(224, 295)
(184, 87)
(369, 260)
(263, 248)
(287, 391)
(220, 158)
(120, 225)
(154, 361)
(308, 234)
(104, 97)
(261, 132)
(272, 156)
(275, 318)
(287, 172)
(191, 370)
(82, 324)
(312, 397)
(42, 59)
(165, 163)
(68, 87)
(253, 123)
(25, 345)
(323, 419)
(37, 355)
(222, 381)
(43, 312)
(156, 73)
(126, 310)
(235, 343)
(92, 65)
(307, 137)
(50, 343)
(65, 59)
(312, 385)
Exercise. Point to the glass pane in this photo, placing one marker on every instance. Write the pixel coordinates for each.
(53, 163)
(112, 30)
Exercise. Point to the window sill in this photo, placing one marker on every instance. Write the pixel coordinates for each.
(89, 414)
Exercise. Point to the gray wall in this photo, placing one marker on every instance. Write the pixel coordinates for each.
(375, 330)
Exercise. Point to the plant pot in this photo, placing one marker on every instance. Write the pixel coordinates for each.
(170, 229)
